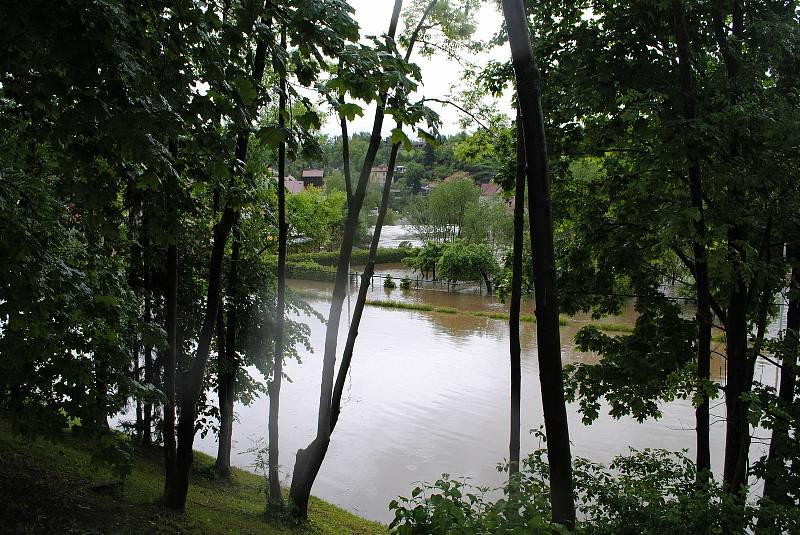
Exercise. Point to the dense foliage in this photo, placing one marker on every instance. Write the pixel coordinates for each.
(649, 491)
(143, 230)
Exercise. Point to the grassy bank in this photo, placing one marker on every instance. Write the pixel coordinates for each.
(527, 318)
(52, 488)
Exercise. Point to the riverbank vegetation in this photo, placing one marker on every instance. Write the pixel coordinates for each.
(149, 223)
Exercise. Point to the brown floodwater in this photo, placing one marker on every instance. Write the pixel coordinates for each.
(428, 393)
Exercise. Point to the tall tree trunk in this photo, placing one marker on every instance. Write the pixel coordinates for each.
(348, 181)
(149, 372)
(231, 360)
(137, 376)
(170, 368)
(225, 393)
(545, 290)
(192, 379)
(309, 460)
(703, 316)
(274, 386)
(737, 428)
(780, 447)
(361, 300)
(516, 301)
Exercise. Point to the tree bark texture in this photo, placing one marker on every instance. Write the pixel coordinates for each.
(309, 460)
(545, 291)
(703, 316)
(366, 278)
(192, 378)
(170, 368)
(516, 301)
(149, 372)
(274, 386)
(780, 446)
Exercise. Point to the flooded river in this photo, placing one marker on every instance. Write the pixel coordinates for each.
(429, 393)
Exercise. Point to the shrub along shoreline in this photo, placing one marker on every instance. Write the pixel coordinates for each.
(322, 266)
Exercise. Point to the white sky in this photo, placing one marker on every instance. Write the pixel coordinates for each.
(441, 76)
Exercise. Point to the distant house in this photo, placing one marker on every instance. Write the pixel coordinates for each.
(490, 189)
(457, 176)
(313, 177)
(293, 185)
(377, 175)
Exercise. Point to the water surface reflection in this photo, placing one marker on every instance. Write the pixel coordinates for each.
(427, 394)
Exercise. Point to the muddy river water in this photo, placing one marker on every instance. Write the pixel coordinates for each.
(428, 394)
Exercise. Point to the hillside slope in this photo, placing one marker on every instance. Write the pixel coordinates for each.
(50, 487)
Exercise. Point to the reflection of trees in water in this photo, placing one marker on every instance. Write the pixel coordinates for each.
(461, 327)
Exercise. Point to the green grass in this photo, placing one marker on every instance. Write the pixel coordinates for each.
(385, 303)
(491, 315)
(47, 487)
(423, 307)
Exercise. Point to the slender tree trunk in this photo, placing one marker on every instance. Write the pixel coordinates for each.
(361, 300)
(516, 301)
(225, 392)
(137, 376)
(274, 386)
(170, 368)
(192, 379)
(309, 460)
(762, 318)
(149, 372)
(703, 316)
(545, 290)
(737, 427)
(488, 283)
(780, 447)
(231, 359)
(348, 182)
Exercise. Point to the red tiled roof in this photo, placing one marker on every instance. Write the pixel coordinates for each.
(313, 173)
(292, 185)
(489, 189)
(458, 175)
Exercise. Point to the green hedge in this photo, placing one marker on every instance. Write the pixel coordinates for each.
(385, 255)
(306, 270)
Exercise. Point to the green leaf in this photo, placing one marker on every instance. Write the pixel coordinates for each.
(272, 136)
(309, 120)
(219, 170)
(107, 300)
(245, 89)
(428, 138)
(398, 136)
(350, 111)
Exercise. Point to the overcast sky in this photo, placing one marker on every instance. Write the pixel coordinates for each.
(439, 74)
